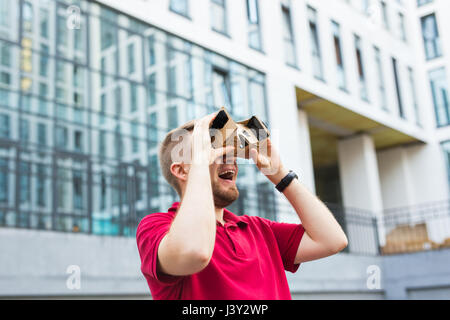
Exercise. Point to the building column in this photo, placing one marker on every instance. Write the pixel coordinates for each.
(361, 194)
(306, 158)
(360, 182)
(395, 178)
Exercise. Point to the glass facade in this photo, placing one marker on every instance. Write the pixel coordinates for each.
(86, 94)
(431, 37)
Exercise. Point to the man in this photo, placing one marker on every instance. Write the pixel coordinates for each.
(199, 250)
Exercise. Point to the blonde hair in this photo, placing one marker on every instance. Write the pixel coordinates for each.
(165, 153)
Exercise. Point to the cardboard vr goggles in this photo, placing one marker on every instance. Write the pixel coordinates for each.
(244, 135)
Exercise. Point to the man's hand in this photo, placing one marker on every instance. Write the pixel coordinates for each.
(202, 151)
(268, 161)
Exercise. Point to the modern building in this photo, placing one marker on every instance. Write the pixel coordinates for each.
(355, 94)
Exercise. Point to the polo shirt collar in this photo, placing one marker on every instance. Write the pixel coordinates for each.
(228, 216)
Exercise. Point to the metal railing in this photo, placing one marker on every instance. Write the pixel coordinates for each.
(416, 228)
(396, 231)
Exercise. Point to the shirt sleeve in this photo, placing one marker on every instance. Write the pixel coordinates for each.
(150, 232)
(288, 238)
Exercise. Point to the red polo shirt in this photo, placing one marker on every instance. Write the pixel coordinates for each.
(249, 260)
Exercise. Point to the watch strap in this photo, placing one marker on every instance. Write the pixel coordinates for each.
(286, 181)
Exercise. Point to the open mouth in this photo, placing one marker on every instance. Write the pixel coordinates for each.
(227, 175)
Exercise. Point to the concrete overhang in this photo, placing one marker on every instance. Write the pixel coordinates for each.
(330, 122)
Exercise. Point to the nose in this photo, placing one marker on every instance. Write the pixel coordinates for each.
(229, 159)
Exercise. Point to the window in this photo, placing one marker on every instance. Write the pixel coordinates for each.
(24, 130)
(43, 61)
(24, 182)
(412, 88)
(222, 89)
(431, 38)
(219, 16)
(102, 143)
(27, 19)
(118, 143)
(153, 129)
(4, 13)
(360, 67)
(107, 34)
(77, 182)
(446, 150)
(5, 57)
(380, 76)
(44, 22)
(135, 137)
(439, 90)
(402, 27)
(78, 141)
(385, 15)
(4, 126)
(254, 28)
(172, 80)
(5, 78)
(4, 177)
(131, 66)
(315, 44)
(288, 37)
(61, 137)
(133, 97)
(151, 85)
(423, 2)
(180, 7)
(365, 7)
(103, 189)
(42, 134)
(172, 117)
(118, 100)
(257, 98)
(398, 88)
(40, 185)
(62, 34)
(341, 81)
(151, 50)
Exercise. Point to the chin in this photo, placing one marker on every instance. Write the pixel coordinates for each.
(223, 199)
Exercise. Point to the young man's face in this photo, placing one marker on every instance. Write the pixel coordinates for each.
(223, 181)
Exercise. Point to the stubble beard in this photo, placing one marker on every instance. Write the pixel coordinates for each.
(222, 198)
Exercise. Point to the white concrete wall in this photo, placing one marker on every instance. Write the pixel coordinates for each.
(34, 265)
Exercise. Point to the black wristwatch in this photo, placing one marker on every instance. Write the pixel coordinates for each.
(286, 181)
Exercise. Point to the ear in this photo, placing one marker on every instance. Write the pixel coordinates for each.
(179, 170)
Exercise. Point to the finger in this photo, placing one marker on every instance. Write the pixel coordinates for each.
(263, 162)
(254, 156)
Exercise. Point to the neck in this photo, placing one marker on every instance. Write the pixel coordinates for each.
(219, 215)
